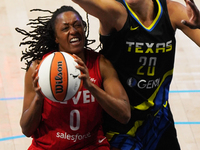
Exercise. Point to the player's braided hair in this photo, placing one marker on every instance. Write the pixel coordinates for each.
(41, 39)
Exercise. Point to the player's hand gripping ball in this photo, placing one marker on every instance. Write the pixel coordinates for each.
(58, 77)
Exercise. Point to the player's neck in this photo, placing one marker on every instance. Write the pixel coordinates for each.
(144, 9)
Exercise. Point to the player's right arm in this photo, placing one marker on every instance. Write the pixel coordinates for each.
(33, 102)
(111, 14)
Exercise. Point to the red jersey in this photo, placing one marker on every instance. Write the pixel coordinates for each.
(75, 124)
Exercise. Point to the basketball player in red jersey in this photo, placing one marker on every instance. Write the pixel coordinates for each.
(138, 37)
(77, 123)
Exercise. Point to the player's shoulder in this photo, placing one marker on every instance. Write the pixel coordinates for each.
(176, 11)
(174, 5)
(105, 64)
(92, 53)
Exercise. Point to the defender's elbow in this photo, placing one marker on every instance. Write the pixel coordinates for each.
(126, 117)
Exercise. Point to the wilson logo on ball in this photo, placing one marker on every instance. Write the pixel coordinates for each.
(58, 76)
(58, 79)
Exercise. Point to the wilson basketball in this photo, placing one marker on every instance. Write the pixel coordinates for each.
(58, 76)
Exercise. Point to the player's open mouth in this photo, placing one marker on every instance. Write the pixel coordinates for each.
(73, 40)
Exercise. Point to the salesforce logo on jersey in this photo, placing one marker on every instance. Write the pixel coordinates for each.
(73, 138)
(143, 84)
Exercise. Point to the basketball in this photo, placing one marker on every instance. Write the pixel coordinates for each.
(58, 76)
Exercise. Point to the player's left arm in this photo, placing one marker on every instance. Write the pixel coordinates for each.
(116, 103)
(113, 98)
(178, 13)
